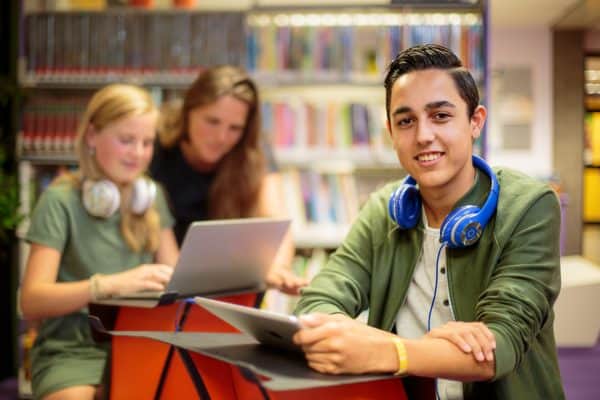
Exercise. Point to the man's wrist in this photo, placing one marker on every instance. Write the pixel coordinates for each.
(401, 355)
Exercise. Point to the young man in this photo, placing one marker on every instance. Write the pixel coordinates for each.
(459, 266)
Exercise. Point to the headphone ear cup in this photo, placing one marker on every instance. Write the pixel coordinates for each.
(142, 197)
(461, 227)
(101, 198)
(404, 206)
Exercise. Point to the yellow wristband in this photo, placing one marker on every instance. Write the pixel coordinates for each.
(402, 357)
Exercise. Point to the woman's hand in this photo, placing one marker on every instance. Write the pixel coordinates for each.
(470, 337)
(146, 277)
(285, 280)
(337, 344)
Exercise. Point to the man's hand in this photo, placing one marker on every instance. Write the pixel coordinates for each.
(470, 337)
(337, 344)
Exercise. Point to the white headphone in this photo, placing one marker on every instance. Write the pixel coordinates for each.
(102, 198)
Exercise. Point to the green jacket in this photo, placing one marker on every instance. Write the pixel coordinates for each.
(509, 280)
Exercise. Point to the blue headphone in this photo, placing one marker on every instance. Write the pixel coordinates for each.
(462, 227)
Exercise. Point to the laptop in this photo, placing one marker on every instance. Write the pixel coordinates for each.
(268, 328)
(221, 257)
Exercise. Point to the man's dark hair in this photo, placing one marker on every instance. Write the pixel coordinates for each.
(432, 56)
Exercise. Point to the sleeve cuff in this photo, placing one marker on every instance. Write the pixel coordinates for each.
(504, 356)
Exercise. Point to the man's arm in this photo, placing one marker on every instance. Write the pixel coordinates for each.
(337, 344)
(517, 304)
(342, 286)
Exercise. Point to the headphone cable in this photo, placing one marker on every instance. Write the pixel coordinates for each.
(435, 286)
(437, 262)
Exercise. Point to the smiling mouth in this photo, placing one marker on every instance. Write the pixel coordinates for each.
(427, 157)
(131, 166)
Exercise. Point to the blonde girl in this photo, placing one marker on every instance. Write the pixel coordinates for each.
(102, 231)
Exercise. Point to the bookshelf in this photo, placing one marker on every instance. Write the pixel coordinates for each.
(591, 156)
(354, 44)
(153, 48)
(320, 70)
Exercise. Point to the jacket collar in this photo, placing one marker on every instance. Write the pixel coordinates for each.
(478, 193)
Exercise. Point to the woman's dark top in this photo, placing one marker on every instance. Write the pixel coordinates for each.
(187, 190)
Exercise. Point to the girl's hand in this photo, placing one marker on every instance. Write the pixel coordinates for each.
(285, 280)
(146, 277)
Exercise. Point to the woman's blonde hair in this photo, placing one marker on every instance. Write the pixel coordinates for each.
(235, 189)
(109, 105)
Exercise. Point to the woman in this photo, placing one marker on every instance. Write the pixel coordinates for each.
(212, 165)
(102, 231)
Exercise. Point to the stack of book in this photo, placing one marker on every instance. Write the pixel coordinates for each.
(50, 125)
(86, 46)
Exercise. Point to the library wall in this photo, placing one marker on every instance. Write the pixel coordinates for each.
(529, 48)
(568, 97)
(591, 41)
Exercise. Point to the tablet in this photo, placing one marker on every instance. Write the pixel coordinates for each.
(268, 328)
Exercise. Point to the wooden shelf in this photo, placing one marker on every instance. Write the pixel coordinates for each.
(319, 235)
(342, 159)
(50, 159)
(592, 102)
(89, 80)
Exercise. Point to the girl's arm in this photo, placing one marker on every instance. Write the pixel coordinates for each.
(42, 296)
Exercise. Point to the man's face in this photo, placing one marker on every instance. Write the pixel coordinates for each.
(431, 131)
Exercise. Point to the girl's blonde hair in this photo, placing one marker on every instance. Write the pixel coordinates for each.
(235, 189)
(108, 105)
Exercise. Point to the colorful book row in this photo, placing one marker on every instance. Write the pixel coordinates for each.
(352, 52)
(180, 43)
(300, 125)
(320, 198)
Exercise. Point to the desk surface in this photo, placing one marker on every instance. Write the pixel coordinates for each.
(284, 370)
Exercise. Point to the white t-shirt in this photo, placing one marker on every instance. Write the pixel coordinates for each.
(413, 316)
